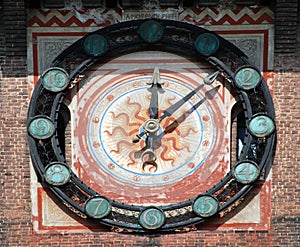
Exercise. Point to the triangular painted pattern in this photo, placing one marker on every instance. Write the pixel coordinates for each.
(204, 16)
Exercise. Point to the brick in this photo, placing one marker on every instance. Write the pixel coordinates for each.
(16, 227)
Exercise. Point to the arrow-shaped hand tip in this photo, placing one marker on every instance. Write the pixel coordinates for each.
(155, 77)
(211, 78)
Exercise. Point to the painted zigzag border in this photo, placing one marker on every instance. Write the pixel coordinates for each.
(100, 18)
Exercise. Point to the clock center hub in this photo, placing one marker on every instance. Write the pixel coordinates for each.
(151, 126)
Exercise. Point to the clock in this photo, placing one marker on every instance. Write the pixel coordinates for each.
(151, 128)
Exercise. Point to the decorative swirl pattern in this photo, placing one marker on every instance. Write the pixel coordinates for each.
(41, 127)
(206, 206)
(247, 78)
(55, 79)
(261, 125)
(151, 31)
(152, 218)
(97, 207)
(57, 174)
(246, 172)
(207, 44)
(95, 45)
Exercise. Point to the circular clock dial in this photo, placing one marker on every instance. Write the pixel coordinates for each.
(151, 142)
(115, 109)
(121, 113)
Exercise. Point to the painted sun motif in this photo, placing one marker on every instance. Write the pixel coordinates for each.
(183, 139)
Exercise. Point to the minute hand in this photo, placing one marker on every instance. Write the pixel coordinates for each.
(170, 110)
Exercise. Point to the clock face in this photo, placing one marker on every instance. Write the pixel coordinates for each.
(151, 105)
(119, 112)
(114, 107)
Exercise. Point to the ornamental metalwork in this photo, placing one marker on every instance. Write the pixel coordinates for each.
(181, 38)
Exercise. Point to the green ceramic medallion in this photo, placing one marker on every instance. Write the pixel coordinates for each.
(55, 79)
(41, 127)
(97, 207)
(207, 44)
(152, 218)
(95, 45)
(261, 125)
(205, 206)
(151, 31)
(247, 78)
(57, 174)
(246, 172)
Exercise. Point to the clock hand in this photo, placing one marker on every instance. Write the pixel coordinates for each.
(208, 95)
(148, 155)
(169, 111)
(155, 83)
(211, 78)
(173, 108)
(151, 126)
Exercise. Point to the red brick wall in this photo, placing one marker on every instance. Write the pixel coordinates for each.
(286, 169)
(15, 202)
(285, 220)
(15, 215)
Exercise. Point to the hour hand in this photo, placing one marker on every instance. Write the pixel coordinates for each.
(155, 83)
(151, 126)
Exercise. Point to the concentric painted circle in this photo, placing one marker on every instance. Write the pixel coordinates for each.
(121, 113)
(97, 207)
(57, 174)
(83, 199)
(55, 79)
(41, 127)
(151, 31)
(207, 44)
(246, 172)
(205, 206)
(261, 125)
(247, 78)
(152, 218)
